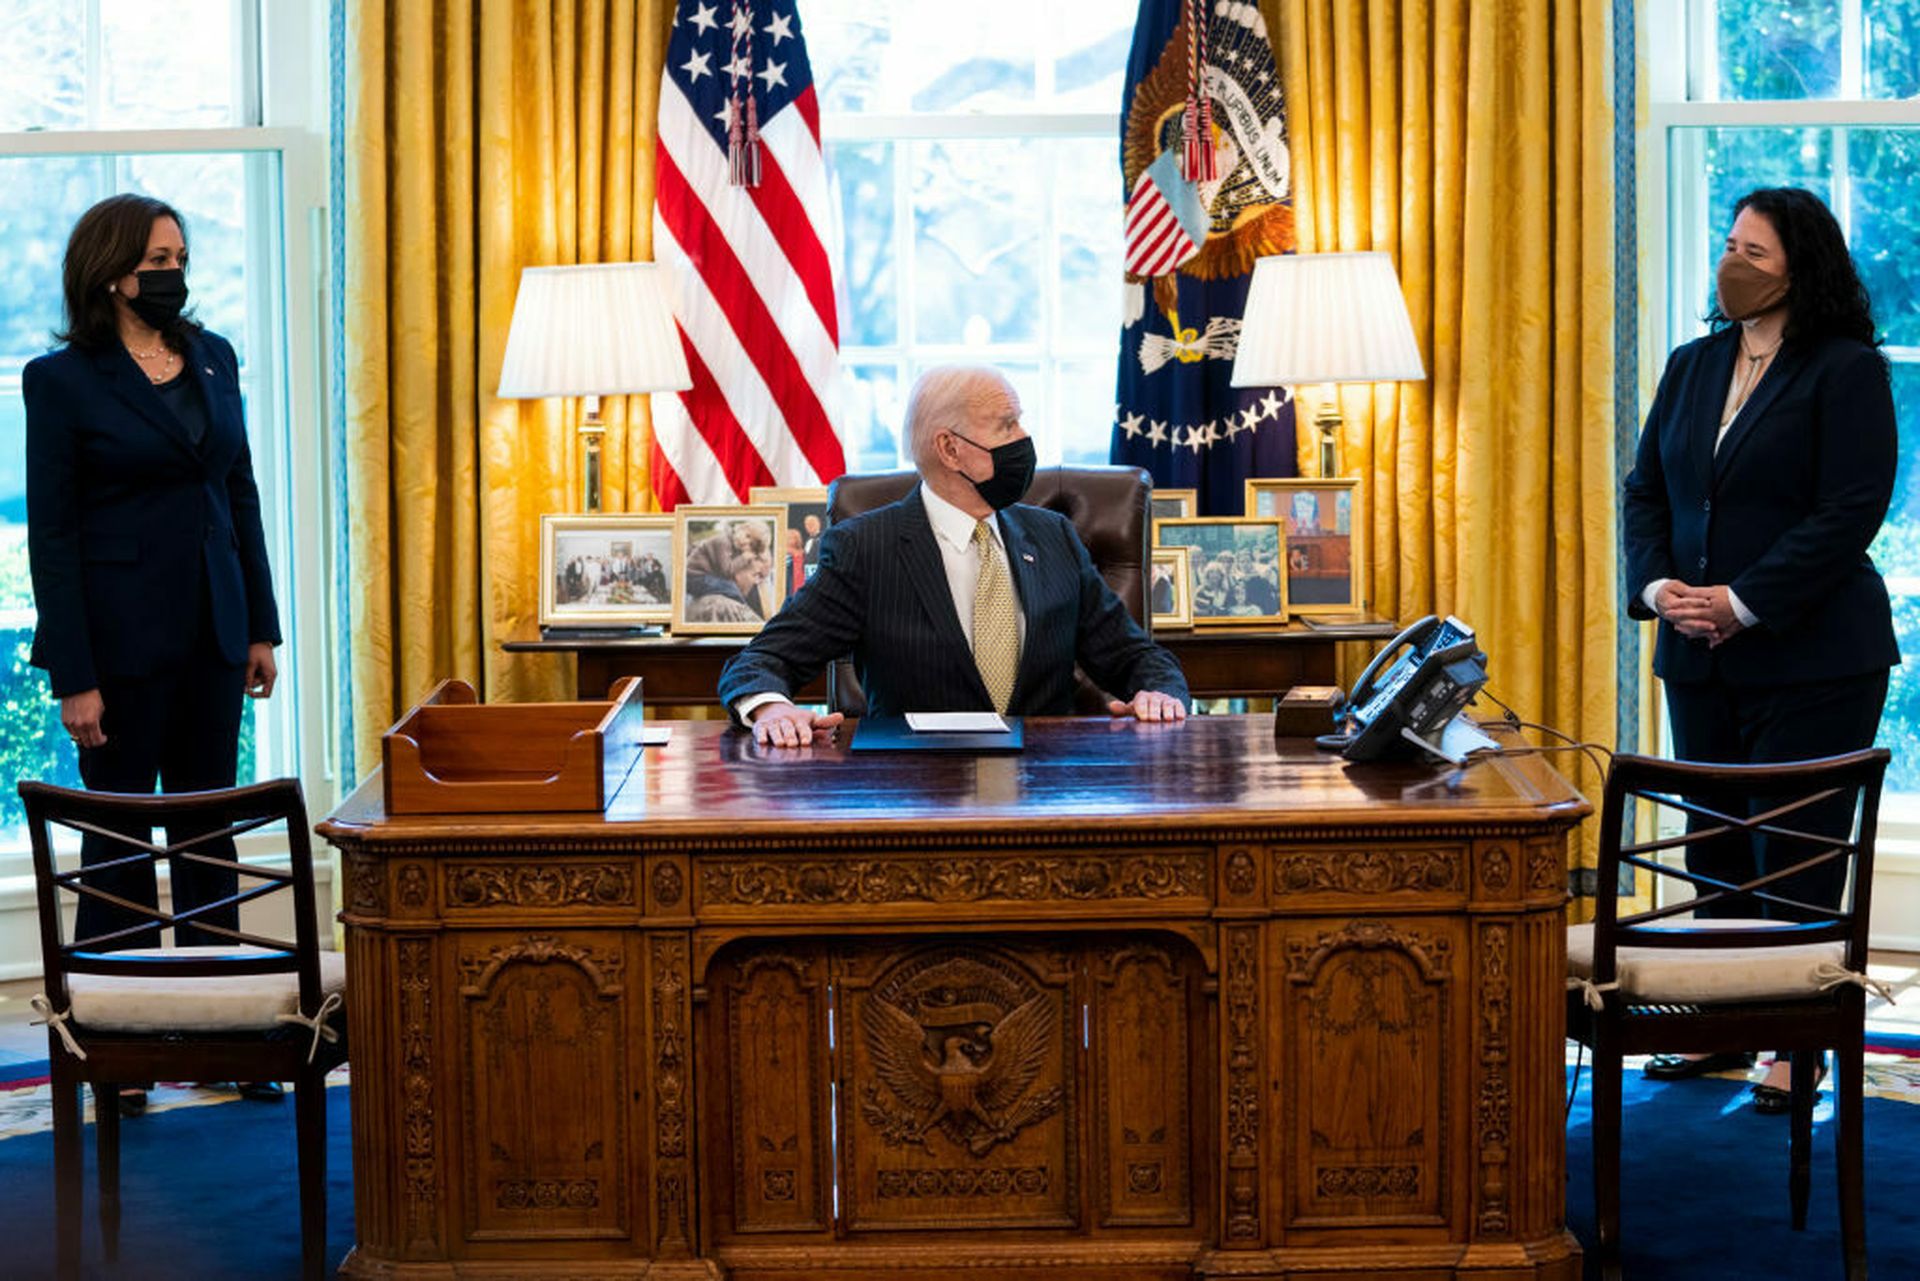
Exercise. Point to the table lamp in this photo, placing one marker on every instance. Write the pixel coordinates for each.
(1326, 318)
(592, 330)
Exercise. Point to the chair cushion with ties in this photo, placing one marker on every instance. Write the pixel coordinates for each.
(1695, 976)
(224, 1003)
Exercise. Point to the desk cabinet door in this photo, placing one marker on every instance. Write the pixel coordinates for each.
(1367, 1050)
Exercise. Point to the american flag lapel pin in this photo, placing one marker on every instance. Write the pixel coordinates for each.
(1027, 557)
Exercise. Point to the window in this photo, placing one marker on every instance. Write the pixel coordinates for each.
(974, 156)
(1820, 94)
(167, 97)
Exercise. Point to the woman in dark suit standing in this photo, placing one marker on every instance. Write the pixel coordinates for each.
(150, 575)
(1765, 470)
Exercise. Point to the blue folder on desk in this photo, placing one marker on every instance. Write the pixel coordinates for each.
(892, 734)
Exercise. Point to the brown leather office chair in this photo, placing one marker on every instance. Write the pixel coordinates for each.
(1109, 508)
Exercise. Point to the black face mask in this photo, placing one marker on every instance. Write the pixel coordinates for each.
(1013, 465)
(162, 297)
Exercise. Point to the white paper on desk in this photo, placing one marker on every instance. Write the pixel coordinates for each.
(956, 723)
(655, 735)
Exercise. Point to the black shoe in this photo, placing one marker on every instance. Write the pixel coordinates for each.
(133, 1100)
(1771, 1100)
(262, 1091)
(1678, 1067)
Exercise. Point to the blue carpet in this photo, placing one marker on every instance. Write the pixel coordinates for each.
(1703, 1185)
(207, 1194)
(210, 1192)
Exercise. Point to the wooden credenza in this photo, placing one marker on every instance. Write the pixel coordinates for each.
(1220, 662)
(1144, 1001)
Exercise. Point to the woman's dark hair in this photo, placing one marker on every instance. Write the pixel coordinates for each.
(107, 243)
(1825, 298)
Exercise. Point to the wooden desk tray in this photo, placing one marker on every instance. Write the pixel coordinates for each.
(452, 754)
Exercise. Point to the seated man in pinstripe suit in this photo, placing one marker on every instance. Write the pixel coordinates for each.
(955, 598)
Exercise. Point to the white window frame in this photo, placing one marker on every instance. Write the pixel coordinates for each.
(289, 96)
(1050, 350)
(1672, 216)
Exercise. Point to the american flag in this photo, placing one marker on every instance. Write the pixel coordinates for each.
(1165, 221)
(753, 281)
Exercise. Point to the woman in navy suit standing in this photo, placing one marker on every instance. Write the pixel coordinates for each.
(1764, 472)
(150, 574)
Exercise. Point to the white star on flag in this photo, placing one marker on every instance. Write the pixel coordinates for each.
(737, 69)
(1249, 417)
(703, 18)
(1270, 407)
(781, 28)
(775, 74)
(1158, 434)
(742, 23)
(1131, 424)
(696, 65)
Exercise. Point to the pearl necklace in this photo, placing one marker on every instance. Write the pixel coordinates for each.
(172, 357)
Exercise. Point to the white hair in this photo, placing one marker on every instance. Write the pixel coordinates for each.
(940, 401)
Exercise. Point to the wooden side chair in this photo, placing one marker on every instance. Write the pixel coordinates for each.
(253, 1009)
(1774, 972)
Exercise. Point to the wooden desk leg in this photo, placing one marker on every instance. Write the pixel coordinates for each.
(670, 1052)
(1243, 1032)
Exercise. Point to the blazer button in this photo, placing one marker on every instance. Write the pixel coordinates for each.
(1703, 562)
(1707, 505)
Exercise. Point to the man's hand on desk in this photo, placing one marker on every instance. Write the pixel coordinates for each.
(1150, 705)
(785, 725)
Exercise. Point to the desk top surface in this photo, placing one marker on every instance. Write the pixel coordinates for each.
(1319, 630)
(1206, 774)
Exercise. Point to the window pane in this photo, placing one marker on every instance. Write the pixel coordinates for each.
(923, 57)
(1090, 41)
(1900, 723)
(1090, 201)
(873, 404)
(1778, 48)
(45, 196)
(862, 174)
(1885, 166)
(1897, 554)
(167, 64)
(44, 87)
(1892, 48)
(976, 241)
(1083, 410)
(850, 46)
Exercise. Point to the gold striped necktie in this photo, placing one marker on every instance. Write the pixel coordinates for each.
(996, 628)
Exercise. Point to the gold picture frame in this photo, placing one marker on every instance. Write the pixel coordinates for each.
(710, 599)
(1170, 567)
(801, 504)
(1326, 540)
(1234, 567)
(1173, 504)
(606, 571)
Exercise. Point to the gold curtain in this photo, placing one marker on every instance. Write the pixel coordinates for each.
(482, 136)
(1473, 141)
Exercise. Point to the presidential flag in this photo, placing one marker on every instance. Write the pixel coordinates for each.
(741, 218)
(1204, 156)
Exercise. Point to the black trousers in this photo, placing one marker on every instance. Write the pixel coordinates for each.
(1766, 724)
(180, 728)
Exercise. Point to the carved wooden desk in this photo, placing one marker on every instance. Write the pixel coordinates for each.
(1146, 1001)
(1221, 662)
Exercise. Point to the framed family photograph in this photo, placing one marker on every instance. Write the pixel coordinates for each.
(800, 531)
(606, 571)
(728, 560)
(1174, 504)
(1233, 567)
(1324, 550)
(1169, 596)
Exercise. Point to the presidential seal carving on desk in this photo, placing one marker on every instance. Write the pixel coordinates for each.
(959, 1045)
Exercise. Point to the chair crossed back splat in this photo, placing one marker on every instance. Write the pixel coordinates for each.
(257, 1008)
(1770, 968)
(1110, 508)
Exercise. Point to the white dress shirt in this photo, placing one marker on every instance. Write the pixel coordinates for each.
(1651, 591)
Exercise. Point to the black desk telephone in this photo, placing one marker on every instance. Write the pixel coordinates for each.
(1413, 707)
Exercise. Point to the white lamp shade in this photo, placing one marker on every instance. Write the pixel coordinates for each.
(1325, 318)
(598, 329)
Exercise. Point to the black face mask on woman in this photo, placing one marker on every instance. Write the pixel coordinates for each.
(1013, 465)
(162, 296)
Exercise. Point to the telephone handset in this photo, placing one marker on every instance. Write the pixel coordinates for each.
(1413, 705)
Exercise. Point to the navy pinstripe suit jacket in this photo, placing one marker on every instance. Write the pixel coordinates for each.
(880, 594)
